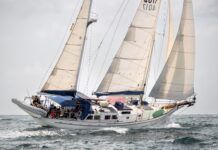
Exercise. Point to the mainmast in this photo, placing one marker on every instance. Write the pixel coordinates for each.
(127, 73)
(65, 74)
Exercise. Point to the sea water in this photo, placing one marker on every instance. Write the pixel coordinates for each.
(191, 132)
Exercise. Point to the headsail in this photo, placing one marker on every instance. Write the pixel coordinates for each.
(65, 73)
(176, 80)
(160, 48)
(128, 70)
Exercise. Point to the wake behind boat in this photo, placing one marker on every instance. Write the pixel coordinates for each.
(155, 61)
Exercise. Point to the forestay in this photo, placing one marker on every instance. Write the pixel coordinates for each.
(129, 67)
(160, 48)
(65, 73)
(176, 80)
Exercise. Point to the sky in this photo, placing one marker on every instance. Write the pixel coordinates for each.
(32, 34)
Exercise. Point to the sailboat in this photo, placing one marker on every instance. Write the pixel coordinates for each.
(154, 62)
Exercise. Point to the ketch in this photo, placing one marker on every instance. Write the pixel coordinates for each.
(154, 63)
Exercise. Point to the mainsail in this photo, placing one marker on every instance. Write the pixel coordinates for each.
(176, 80)
(65, 73)
(127, 73)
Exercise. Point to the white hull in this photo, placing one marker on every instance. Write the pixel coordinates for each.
(86, 124)
(77, 124)
(32, 111)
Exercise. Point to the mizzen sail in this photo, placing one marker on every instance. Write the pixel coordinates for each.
(128, 69)
(176, 81)
(65, 73)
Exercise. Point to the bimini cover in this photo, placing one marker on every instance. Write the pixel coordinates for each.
(65, 101)
(68, 101)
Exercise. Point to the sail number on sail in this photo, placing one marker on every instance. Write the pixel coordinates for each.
(149, 5)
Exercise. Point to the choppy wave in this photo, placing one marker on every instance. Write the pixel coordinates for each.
(108, 131)
(187, 140)
(174, 125)
(39, 128)
(16, 134)
(184, 132)
(5, 119)
(30, 146)
(116, 129)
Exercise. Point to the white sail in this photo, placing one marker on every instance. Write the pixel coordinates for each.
(168, 25)
(175, 15)
(159, 53)
(176, 80)
(65, 73)
(128, 69)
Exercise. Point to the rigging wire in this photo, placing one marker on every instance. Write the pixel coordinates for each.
(162, 34)
(104, 37)
(89, 55)
(182, 110)
(111, 24)
(60, 45)
(122, 10)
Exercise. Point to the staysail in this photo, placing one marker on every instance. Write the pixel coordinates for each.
(176, 81)
(127, 73)
(160, 48)
(65, 73)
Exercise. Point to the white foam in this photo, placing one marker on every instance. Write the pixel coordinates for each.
(17, 134)
(116, 129)
(174, 125)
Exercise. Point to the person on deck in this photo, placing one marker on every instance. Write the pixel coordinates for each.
(62, 112)
(36, 101)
